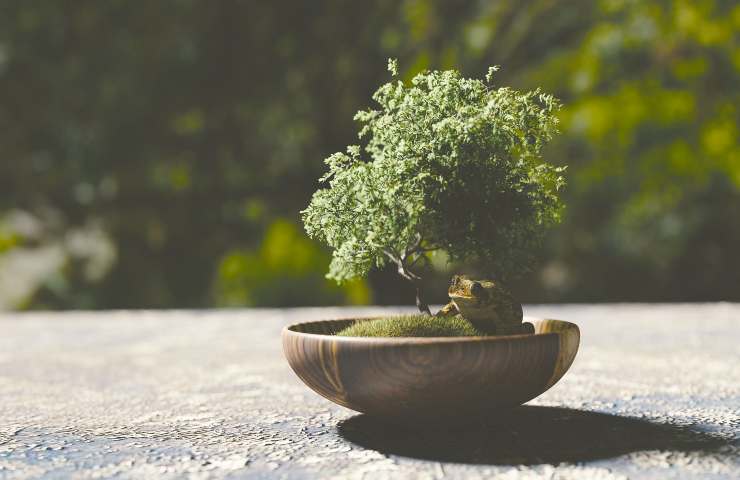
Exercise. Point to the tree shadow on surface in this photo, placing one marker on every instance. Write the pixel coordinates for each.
(526, 435)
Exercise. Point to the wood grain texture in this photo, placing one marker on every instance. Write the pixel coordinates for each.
(451, 377)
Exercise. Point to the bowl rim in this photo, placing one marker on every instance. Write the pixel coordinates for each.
(288, 330)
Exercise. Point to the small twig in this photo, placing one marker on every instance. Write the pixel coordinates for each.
(413, 262)
(416, 244)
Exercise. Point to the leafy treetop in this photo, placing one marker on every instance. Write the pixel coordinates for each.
(450, 164)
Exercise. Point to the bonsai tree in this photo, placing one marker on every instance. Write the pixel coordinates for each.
(449, 164)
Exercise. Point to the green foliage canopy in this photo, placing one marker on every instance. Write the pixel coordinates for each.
(450, 164)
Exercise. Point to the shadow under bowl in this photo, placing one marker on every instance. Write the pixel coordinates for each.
(430, 378)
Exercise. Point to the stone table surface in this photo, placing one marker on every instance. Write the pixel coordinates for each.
(654, 393)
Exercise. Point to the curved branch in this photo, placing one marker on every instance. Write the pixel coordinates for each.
(403, 270)
(421, 304)
(392, 257)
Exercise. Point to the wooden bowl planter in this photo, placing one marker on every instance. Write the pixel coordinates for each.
(430, 378)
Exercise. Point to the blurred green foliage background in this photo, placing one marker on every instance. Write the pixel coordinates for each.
(157, 154)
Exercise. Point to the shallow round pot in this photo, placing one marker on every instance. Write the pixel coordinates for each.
(417, 377)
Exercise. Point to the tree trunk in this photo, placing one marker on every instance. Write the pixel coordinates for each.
(414, 279)
(420, 303)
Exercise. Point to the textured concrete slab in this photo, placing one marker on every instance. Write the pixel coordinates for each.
(653, 393)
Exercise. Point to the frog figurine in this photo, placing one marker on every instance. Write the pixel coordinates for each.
(487, 305)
